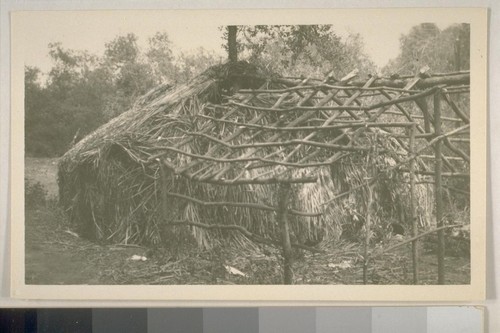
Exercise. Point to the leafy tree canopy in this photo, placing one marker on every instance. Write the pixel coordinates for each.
(308, 50)
(443, 51)
(82, 90)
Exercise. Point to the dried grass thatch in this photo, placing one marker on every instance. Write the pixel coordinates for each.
(110, 190)
(110, 181)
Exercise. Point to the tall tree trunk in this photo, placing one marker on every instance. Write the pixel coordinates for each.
(232, 47)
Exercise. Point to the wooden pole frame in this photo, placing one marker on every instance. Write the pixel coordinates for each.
(439, 188)
(413, 207)
(228, 152)
(368, 223)
(283, 199)
(163, 191)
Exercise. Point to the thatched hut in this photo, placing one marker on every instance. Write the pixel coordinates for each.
(110, 181)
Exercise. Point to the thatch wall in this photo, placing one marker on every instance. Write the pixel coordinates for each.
(111, 189)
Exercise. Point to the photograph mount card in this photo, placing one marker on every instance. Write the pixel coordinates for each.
(249, 155)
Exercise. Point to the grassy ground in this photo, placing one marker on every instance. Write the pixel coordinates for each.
(43, 171)
(56, 255)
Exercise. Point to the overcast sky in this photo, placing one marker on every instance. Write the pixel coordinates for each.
(189, 30)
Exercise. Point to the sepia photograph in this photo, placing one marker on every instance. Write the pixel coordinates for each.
(335, 149)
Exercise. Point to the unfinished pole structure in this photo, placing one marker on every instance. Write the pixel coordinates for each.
(282, 136)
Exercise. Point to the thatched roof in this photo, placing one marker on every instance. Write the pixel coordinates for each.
(216, 139)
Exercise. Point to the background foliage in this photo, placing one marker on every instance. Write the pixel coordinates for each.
(83, 91)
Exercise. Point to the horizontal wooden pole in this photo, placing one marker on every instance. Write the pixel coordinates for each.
(250, 235)
(238, 204)
(451, 80)
(295, 142)
(345, 124)
(409, 240)
(444, 174)
(243, 160)
(459, 140)
(320, 86)
(417, 116)
(456, 158)
(261, 181)
(346, 107)
(236, 182)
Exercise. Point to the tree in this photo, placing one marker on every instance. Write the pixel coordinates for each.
(160, 57)
(232, 47)
(443, 51)
(310, 50)
(188, 65)
(425, 44)
(132, 76)
(122, 50)
(83, 91)
(72, 100)
(36, 110)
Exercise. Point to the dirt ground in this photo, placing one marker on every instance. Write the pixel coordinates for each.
(56, 255)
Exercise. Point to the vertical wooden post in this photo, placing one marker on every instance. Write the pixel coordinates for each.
(368, 222)
(283, 198)
(422, 104)
(413, 204)
(439, 185)
(163, 192)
